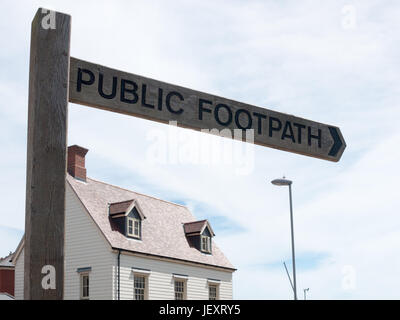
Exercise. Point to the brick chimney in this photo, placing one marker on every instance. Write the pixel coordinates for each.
(76, 162)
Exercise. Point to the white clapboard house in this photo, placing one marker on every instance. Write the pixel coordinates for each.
(121, 244)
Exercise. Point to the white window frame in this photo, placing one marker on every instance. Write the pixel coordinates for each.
(146, 284)
(208, 244)
(184, 281)
(216, 286)
(133, 234)
(81, 277)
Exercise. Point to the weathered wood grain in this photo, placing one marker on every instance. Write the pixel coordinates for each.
(109, 89)
(46, 154)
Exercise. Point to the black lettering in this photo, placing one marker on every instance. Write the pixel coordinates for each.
(160, 98)
(168, 102)
(201, 108)
(216, 114)
(285, 129)
(311, 136)
(299, 127)
(271, 127)
(132, 90)
(259, 116)
(143, 98)
(249, 121)
(114, 88)
(80, 80)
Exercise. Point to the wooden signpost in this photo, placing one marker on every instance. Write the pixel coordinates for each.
(46, 157)
(105, 88)
(56, 78)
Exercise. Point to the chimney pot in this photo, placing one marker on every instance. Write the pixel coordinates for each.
(76, 162)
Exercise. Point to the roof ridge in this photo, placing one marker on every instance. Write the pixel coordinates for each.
(142, 194)
(197, 221)
(122, 201)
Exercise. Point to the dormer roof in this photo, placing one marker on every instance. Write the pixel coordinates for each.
(123, 208)
(197, 227)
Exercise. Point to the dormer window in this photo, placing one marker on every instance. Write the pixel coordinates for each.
(127, 217)
(206, 243)
(199, 234)
(134, 228)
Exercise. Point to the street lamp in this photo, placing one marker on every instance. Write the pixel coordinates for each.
(305, 295)
(285, 182)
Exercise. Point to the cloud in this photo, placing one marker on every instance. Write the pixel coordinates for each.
(294, 58)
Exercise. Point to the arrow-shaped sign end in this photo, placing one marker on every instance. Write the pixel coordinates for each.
(338, 143)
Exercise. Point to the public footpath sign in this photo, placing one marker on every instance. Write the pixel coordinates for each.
(55, 79)
(101, 87)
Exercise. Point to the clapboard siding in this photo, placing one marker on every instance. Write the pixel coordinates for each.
(19, 276)
(85, 246)
(161, 280)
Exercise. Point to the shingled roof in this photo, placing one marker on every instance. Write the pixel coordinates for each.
(7, 261)
(119, 207)
(163, 231)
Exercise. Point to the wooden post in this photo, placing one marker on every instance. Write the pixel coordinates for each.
(46, 155)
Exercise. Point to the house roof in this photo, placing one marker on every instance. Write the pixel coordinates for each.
(6, 296)
(163, 229)
(7, 261)
(197, 227)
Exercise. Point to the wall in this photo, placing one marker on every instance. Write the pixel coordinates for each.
(85, 246)
(19, 276)
(7, 280)
(161, 280)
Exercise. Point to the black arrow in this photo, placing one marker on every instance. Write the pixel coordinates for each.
(337, 142)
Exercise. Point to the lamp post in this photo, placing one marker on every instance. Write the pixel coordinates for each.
(305, 291)
(285, 182)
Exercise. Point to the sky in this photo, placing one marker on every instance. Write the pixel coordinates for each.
(334, 62)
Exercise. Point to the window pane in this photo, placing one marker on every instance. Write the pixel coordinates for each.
(130, 226)
(85, 286)
(205, 243)
(179, 290)
(139, 287)
(137, 225)
(212, 292)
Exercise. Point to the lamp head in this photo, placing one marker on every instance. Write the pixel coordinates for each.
(282, 182)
